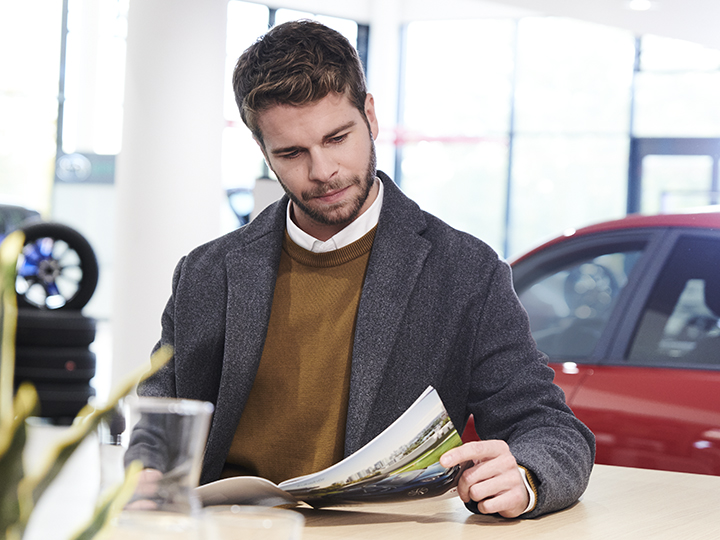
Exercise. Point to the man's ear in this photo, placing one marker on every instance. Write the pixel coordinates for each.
(371, 116)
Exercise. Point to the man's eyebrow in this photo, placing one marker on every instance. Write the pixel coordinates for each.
(340, 129)
(286, 150)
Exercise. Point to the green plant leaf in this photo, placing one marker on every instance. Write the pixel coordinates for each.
(19, 493)
(12, 443)
(87, 421)
(113, 504)
(10, 250)
(12, 414)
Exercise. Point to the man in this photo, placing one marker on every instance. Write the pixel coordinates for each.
(315, 326)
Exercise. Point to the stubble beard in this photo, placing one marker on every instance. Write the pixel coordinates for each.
(343, 212)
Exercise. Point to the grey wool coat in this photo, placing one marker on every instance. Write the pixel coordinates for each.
(437, 308)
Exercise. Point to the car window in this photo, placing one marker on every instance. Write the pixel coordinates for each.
(570, 307)
(680, 324)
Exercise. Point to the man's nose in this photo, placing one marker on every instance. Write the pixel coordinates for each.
(323, 166)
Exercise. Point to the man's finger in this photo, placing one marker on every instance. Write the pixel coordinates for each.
(472, 451)
(508, 504)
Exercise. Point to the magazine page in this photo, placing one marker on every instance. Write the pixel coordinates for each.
(251, 490)
(400, 463)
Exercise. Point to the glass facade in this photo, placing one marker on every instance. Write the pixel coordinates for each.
(511, 130)
(680, 104)
(672, 183)
(454, 157)
(28, 100)
(558, 101)
(573, 77)
(94, 76)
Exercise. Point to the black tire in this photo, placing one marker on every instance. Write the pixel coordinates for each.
(54, 365)
(57, 269)
(63, 401)
(57, 328)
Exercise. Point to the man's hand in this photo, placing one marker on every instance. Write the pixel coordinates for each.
(494, 481)
(146, 490)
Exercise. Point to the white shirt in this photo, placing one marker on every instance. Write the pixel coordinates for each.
(353, 232)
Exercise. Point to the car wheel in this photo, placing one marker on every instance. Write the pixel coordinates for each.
(63, 328)
(57, 268)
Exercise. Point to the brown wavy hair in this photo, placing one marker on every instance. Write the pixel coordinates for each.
(296, 63)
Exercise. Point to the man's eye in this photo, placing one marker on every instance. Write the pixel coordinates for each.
(339, 138)
(290, 155)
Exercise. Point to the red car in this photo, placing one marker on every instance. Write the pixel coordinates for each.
(628, 312)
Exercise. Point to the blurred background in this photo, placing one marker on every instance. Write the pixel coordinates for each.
(513, 120)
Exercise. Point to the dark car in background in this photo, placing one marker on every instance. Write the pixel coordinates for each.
(628, 312)
(13, 216)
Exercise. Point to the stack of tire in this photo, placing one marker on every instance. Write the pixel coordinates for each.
(57, 276)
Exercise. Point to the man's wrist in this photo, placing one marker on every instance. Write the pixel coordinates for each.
(529, 482)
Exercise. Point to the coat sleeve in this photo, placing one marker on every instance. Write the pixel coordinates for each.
(513, 397)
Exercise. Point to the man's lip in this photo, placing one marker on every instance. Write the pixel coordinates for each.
(330, 196)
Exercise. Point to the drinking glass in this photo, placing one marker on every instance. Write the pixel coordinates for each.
(168, 437)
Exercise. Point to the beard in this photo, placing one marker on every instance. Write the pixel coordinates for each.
(343, 212)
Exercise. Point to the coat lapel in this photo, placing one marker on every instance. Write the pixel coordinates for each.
(396, 261)
(251, 276)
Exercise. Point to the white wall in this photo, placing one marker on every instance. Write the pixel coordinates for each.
(168, 188)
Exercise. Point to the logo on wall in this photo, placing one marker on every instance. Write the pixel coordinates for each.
(73, 168)
(85, 168)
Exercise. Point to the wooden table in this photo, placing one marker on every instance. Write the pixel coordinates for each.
(619, 503)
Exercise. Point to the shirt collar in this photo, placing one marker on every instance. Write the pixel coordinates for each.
(354, 231)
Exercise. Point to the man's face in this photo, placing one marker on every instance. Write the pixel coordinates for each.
(324, 156)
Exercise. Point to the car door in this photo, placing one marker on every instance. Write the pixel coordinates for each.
(654, 400)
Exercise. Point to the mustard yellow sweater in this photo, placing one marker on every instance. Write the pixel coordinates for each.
(294, 420)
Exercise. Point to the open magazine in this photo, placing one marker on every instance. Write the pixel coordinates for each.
(402, 463)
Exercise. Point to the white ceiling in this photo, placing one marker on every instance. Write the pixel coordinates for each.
(692, 20)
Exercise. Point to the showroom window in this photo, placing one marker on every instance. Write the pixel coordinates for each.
(94, 77)
(516, 131)
(676, 89)
(454, 158)
(675, 152)
(571, 131)
(28, 100)
(522, 135)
